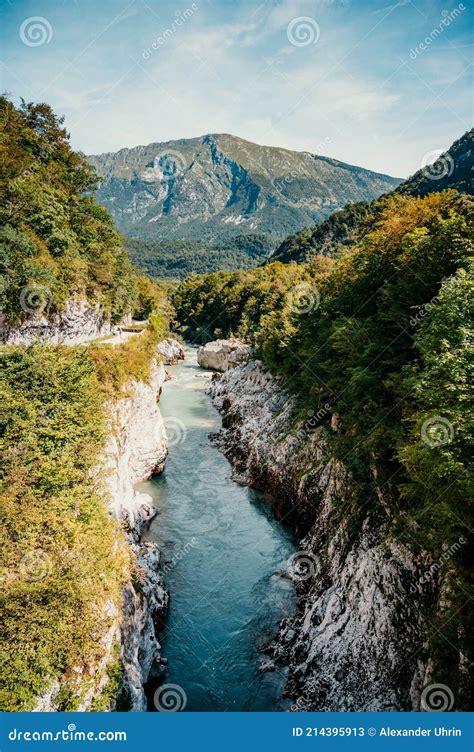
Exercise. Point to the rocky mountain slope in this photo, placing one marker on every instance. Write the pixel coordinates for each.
(452, 169)
(219, 186)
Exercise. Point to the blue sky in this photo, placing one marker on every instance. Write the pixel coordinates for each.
(351, 79)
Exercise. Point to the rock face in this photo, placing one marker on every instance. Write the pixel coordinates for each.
(136, 450)
(171, 351)
(223, 354)
(356, 642)
(78, 322)
(219, 186)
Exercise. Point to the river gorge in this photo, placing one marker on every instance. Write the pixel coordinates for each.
(223, 555)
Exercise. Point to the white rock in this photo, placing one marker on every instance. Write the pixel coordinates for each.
(352, 645)
(80, 321)
(223, 354)
(137, 448)
(171, 351)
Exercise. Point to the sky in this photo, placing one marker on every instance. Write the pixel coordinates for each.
(385, 85)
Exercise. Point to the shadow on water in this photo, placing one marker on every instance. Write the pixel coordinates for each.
(222, 551)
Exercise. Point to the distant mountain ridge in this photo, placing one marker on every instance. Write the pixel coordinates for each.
(452, 169)
(218, 186)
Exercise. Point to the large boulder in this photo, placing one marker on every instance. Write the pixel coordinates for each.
(223, 354)
(171, 351)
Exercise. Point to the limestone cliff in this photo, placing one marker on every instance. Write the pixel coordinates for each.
(136, 450)
(78, 322)
(356, 641)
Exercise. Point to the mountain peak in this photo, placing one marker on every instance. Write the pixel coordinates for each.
(219, 185)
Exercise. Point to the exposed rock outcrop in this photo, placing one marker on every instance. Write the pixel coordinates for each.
(356, 641)
(222, 354)
(78, 322)
(171, 351)
(136, 450)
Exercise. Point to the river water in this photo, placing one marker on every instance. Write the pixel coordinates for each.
(223, 551)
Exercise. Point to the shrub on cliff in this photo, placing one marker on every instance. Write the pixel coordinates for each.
(62, 556)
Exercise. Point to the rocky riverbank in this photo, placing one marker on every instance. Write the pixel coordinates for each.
(136, 450)
(356, 641)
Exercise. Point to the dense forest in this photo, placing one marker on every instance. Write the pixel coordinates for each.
(381, 335)
(342, 230)
(55, 240)
(62, 557)
(176, 259)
